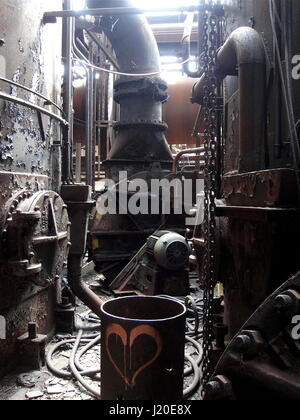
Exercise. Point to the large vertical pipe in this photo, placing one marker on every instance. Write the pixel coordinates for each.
(139, 143)
(67, 37)
(140, 138)
(243, 55)
(89, 126)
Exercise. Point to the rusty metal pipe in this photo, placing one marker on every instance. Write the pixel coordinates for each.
(112, 11)
(186, 152)
(89, 298)
(243, 55)
(78, 200)
(47, 101)
(27, 104)
(140, 132)
(186, 46)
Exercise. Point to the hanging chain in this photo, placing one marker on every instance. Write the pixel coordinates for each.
(210, 45)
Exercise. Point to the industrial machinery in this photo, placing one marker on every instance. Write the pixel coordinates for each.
(139, 148)
(262, 361)
(160, 267)
(34, 218)
(66, 138)
(34, 222)
(250, 232)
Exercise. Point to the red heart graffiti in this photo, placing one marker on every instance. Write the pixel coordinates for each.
(118, 330)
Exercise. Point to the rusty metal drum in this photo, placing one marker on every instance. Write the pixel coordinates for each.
(142, 353)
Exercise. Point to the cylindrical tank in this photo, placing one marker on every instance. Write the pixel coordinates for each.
(142, 349)
(30, 54)
(33, 218)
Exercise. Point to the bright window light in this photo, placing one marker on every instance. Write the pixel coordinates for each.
(169, 59)
(78, 4)
(163, 4)
(146, 4)
(172, 76)
(171, 69)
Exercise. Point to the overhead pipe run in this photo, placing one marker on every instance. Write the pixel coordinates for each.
(112, 11)
(243, 55)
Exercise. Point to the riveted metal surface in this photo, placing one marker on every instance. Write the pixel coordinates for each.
(263, 361)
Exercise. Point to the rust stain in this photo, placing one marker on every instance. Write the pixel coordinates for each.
(128, 339)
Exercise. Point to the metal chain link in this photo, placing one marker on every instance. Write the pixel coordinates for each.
(210, 46)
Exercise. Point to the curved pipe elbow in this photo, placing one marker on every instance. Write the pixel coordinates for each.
(243, 47)
(132, 39)
(140, 97)
(243, 55)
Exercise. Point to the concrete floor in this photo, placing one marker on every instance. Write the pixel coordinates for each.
(43, 385)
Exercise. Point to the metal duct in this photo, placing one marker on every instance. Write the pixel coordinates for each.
(140, 138)
(243, 54)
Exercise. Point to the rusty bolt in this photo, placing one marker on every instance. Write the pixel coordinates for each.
(250, 343)
(283, 302)
(288, 301)
(220, 332)
(242, 342)
(213, 389)
(32, 330)
(219, 387)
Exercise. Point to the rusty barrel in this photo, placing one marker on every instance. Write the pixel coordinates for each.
(142, 354)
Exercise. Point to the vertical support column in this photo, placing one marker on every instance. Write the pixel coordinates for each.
(67, 37)
(78, 163)
(89, 127)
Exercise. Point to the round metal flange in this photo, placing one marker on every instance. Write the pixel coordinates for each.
(36, 236)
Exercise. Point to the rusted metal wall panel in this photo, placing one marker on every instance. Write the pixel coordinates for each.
(30, 56)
